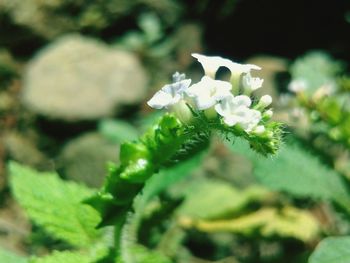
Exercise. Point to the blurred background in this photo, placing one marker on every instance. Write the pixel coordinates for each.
(75, 77)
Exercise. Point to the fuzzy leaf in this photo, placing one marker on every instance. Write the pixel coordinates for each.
(269, 222)
(203, 196)
(8, 257)
(55, 204)
(297, 172)
(332, 250)
(63, 257)
(153, 187)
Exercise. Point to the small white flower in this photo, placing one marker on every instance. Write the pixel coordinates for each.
(250, 120)
(251, 84)
(236, 111)
(238, 69)
(177, 77)
(170, 94)
(297, 85)
(207, 92)
(211, 64)
(228, 105)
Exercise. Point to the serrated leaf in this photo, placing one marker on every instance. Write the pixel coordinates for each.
(203, 196)
(55, 204)
(153, 187)
(117, 131)
(9, 257)
(332, 250)
(63, 257)
(269, 222)
(298, 172)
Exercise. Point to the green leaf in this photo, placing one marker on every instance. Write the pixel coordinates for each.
(144, 255)
(269, 222)
(298, 172)
(55, 204)
(117, 131)
(63, 257)
(332, 250)
(153, 187)
(203, 196)
(9, 257)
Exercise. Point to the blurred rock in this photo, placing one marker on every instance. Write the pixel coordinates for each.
(52, 18)
(85, 158)
(19, 148)
(78, 78)
(7, 102)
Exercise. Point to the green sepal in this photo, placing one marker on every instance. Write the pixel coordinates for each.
(135, 164)
(131, 152)
(165, 138)
(139, 161)
(138, 172)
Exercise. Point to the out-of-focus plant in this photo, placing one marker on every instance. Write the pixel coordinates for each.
(322, 102)
(166, 153)
(8, 69)
(149, 41)
(162, 49)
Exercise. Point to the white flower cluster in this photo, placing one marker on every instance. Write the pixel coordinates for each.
(211, 94)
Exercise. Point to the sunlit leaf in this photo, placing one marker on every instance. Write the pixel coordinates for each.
(332, 250)
(268, 222)
(55, 204)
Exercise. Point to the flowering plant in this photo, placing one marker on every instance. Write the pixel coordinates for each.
(194, 112)
(222, 105)
(168, 151)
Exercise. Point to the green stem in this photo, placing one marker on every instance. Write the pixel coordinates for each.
(139, 160)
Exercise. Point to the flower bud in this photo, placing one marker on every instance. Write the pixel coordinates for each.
(265, 101)
(260, 129)
(267, 114)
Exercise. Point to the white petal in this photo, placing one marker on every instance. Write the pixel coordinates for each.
(211, 64)
(203, 103)
(177, 87)
(160, 100)
(231, 120)
(207, 92)
(221, 89)
(199, 89)
(250, 84)
(177, 77)
(223, 107)
(237, 69)
(241, 100)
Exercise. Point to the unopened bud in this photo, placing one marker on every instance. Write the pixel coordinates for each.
(267, 114)
(260, 129)
(265, 101)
